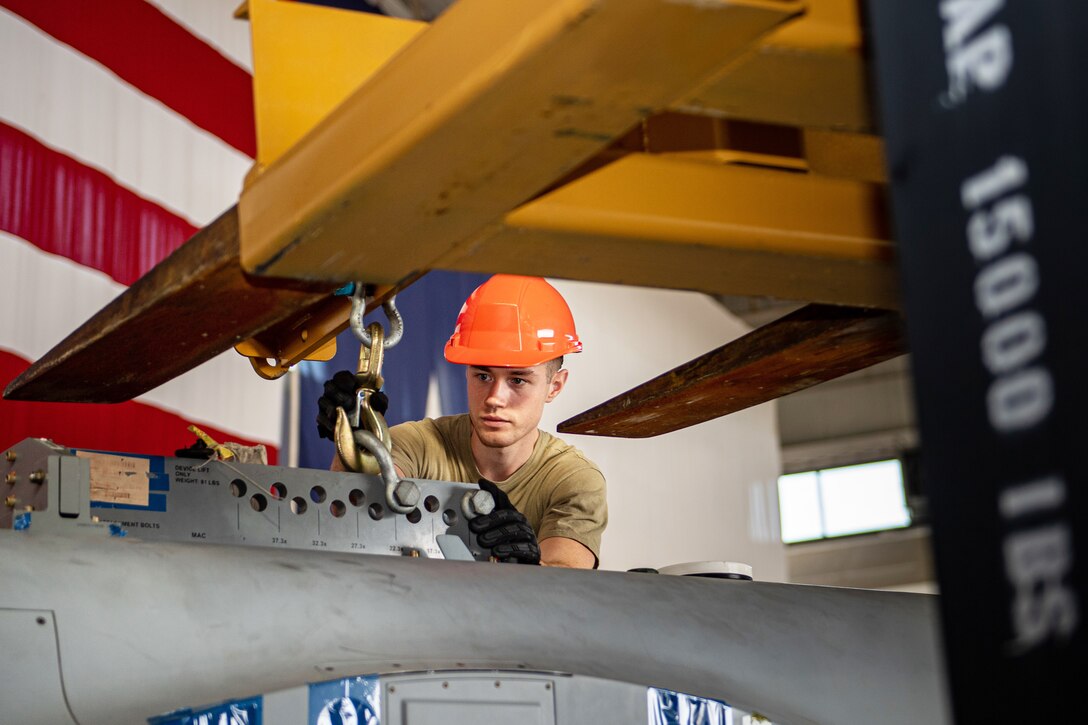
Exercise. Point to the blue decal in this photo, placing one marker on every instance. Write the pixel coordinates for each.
(155, 502)
(21, 521)
(237, 712)
(351, 700)
(674, 708)
(117, 530)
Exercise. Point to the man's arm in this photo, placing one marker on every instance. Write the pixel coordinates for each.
(561, 551)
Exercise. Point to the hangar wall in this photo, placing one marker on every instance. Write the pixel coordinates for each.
(708, 492)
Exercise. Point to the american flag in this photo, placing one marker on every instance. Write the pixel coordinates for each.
(125, 126)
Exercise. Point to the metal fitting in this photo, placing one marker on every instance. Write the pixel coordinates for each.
(477, 503)
(11, 456)
(406, 493)
(12, 477)
(358, 309)
(371, 443)
(10, 502)
(37, 476)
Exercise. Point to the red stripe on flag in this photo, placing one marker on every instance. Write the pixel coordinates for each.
(155, 54)
(130, 427)
(66, 208)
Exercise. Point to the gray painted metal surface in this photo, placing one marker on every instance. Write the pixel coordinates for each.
(174, 624)
(179, 499)
(464, 698)
(28, 659)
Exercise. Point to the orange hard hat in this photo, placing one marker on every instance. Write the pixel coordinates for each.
(512, 321)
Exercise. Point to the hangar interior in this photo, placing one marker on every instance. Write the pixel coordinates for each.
(187, 189)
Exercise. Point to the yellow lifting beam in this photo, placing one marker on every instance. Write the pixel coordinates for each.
(810, 72)
(307, 59)
(485, 108)
(664, 221)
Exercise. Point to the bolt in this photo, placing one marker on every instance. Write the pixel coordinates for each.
(11, 456)
(482, 503)
(10, 502)
(12, 477)
(406, 493)
(37, 477)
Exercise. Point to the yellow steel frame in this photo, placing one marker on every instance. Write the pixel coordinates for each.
(489, 105)
(671, 221)
(717, 145)
(809, 73)
(307, 59)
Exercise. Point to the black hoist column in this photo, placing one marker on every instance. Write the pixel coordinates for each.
(984, 107)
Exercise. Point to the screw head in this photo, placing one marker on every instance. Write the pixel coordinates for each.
(10, 502)
(12, 477)
(406, 493)
(482, 503)
(11, 456)
(37, 476)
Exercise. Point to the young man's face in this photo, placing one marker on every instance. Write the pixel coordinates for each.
(505, 404)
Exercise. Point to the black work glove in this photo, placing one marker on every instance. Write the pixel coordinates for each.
(340, 393)
(505, 530)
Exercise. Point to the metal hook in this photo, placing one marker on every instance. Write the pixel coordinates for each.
(358, 309)
(400, 495)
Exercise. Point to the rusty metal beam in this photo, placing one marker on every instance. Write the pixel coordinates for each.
(486, 107)
(812, 345)
(189, 308)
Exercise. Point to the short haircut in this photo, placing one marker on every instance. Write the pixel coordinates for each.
(554, 366)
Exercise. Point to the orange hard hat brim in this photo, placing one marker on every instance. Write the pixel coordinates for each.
(509, 358)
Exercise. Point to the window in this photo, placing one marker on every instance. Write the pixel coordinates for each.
(841, 501)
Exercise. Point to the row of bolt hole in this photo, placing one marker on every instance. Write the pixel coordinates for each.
(299, 505)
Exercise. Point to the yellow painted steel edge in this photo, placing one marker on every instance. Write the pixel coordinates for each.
(675, 223)
(810, 72)
(307, 59)
(657, 197)
(490, 104)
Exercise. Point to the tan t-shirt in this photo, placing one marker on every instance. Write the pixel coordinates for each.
(560, 491)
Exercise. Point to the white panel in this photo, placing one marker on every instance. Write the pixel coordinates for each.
(30, 685)
(213, 21)
(708, 492)
(45, 297)
(76, 106)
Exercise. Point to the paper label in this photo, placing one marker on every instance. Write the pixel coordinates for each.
(119, 479)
